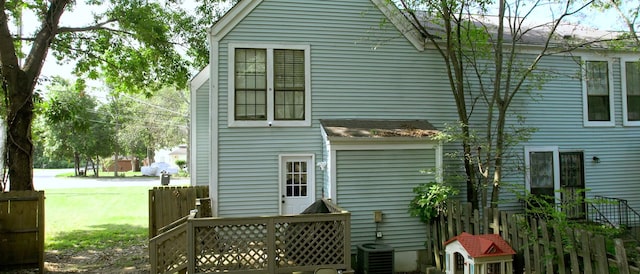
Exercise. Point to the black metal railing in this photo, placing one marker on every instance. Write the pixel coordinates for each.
(595, 215)
(616, 211)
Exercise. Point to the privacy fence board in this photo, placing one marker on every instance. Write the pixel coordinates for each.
(168, 204)
(22, 229)
(541, 248)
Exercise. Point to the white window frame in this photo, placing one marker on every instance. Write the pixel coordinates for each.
(270, 121)
(585, 102)
(556, 167)
(623, 69)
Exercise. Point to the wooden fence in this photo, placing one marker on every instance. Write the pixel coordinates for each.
(272, 244)
(168, 204)
(22, 230)
(541, 248)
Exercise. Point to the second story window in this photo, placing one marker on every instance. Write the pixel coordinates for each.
(251, 84)
(289, 86)
(631, 93)
(269, 86)
(598, 99)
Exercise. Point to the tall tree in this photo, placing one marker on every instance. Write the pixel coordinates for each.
(132, 45)
(486, 70)
(72, 123)
(161, 121)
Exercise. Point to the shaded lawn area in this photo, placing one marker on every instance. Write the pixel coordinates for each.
(90, 229)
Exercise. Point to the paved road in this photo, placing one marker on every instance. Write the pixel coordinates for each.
(44, 179)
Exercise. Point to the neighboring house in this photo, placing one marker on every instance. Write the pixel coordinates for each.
(308, 99)
(178, 153)
(170, 155)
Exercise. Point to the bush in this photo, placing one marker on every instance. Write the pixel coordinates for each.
(181, 164)
(430, 200)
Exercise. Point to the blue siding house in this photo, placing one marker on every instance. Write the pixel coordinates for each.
(305, 99)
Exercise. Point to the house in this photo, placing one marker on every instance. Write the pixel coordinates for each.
(179, 154)
(307, 99)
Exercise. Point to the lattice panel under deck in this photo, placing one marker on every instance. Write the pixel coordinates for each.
(231, 247)
(304, 244)
(172, 253)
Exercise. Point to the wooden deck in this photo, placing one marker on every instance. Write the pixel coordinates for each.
(274, 244)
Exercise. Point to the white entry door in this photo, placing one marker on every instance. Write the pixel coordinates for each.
(296, 183)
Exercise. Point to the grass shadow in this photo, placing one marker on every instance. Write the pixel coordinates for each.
(105, 248)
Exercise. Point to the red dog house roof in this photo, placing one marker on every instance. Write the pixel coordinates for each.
(484, 245)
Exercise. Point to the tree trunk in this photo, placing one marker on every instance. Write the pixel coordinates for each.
(472, 190)
(151, 155)
(76, 163)
(96, 166)
(19, 145)
(19, 85)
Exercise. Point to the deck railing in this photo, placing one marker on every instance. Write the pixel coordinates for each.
(274, 244)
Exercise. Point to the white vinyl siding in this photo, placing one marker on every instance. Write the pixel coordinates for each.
(559, 123)
(598, 93)
(201, 149)
(360, 68)
(383, 180)
(349, 78)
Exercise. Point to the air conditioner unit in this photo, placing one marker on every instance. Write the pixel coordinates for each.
(374, 259)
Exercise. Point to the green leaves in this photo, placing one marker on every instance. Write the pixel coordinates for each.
(138, 46)
(430, 200)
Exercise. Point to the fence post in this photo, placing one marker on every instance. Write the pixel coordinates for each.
(557, 236)
(152, 217)
(347, 239)
(271, 245)
(536, 246)
(548, 262)
(585, 246)
(621, 257)
(573, 252)
(191, 248)
(41, 224)
(153, 256)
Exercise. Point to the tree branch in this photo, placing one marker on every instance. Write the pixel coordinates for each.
(44, 38)
(99, 26)
(8, 57)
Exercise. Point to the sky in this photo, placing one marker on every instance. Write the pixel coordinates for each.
(79, 18)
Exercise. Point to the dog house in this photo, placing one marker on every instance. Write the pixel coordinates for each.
(478, 254)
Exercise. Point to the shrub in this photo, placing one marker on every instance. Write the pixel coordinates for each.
(181, 164)
(430, 200)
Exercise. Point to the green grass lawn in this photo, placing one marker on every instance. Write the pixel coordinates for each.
(95, 218)
(110, 174)
(104, 174)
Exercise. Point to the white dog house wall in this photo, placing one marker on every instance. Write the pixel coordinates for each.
(478, 254)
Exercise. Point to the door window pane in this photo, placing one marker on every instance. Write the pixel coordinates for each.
(296, 175)
(572, 183)
(541, 173)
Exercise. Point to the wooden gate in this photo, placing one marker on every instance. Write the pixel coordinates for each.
(22, 229)
(168, 204)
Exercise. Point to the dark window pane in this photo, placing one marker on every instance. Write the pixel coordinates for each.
(598, 108)
(597, 79)
(250, 84)
(289, 84)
